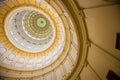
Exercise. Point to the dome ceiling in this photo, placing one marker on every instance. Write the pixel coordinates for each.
(38, 39)
(26, 32)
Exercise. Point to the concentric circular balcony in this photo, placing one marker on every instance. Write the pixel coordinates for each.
(39, 38)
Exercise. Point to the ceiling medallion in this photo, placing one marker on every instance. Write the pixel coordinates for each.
(41, 22)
